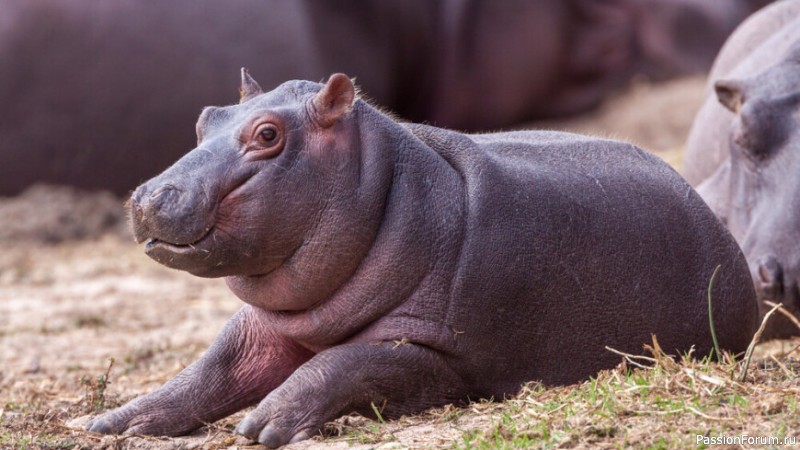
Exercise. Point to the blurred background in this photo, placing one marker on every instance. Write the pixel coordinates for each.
(104, 95)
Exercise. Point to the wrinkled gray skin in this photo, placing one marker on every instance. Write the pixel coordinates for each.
(88, 91)
(408, 266)
(744, 152)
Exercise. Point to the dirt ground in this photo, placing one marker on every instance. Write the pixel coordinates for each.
(76, 292)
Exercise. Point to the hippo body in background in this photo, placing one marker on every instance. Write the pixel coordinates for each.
(406, 266)
(743, 152)
(89, 99)
(88, 87)
(506, 62)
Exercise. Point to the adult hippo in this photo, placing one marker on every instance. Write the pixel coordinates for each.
(400, 266)
(744, 151)
(88, 88)
(88, 94)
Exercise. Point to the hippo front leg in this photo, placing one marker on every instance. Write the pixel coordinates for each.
(246, 362)
(398, 379)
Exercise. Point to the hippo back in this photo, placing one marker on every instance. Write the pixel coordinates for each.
(584, 243)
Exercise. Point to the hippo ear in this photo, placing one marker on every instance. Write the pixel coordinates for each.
(730, 93)
(334, 100)
(249, 87)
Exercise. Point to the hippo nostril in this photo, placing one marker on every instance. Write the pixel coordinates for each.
(164, 193)
(765, 275)
(769, 270)
(168, 202)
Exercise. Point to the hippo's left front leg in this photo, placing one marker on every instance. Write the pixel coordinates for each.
(246, 361)
(399, 379)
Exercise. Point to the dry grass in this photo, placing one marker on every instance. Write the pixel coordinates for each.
(646, 402)
(666, 405)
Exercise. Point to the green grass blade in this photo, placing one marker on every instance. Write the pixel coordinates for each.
(711, 314)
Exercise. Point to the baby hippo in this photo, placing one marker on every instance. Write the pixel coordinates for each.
(396, 266)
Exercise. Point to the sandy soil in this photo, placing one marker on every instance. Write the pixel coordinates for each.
(75, 292)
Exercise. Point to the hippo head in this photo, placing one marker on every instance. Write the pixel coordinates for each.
(266, 177)
(756, 191)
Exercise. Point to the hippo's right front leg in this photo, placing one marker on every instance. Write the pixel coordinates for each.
(244, 364)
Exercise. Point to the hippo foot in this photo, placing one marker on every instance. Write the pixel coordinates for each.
(100, 425)
(283, 418)
(277, 432)
(137, 418)
(123, 420)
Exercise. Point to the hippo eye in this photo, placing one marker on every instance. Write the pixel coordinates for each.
(267, 135)
(266, 141)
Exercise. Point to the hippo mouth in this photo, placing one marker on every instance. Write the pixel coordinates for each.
(155, 244)
(194, 257)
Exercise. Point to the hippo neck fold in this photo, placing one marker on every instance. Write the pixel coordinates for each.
(403, 186)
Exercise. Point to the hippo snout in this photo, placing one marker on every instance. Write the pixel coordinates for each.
(171, 214)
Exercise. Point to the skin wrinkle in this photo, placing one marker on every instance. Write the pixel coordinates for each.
(316, 231)
(464, 204)
(416, 286)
